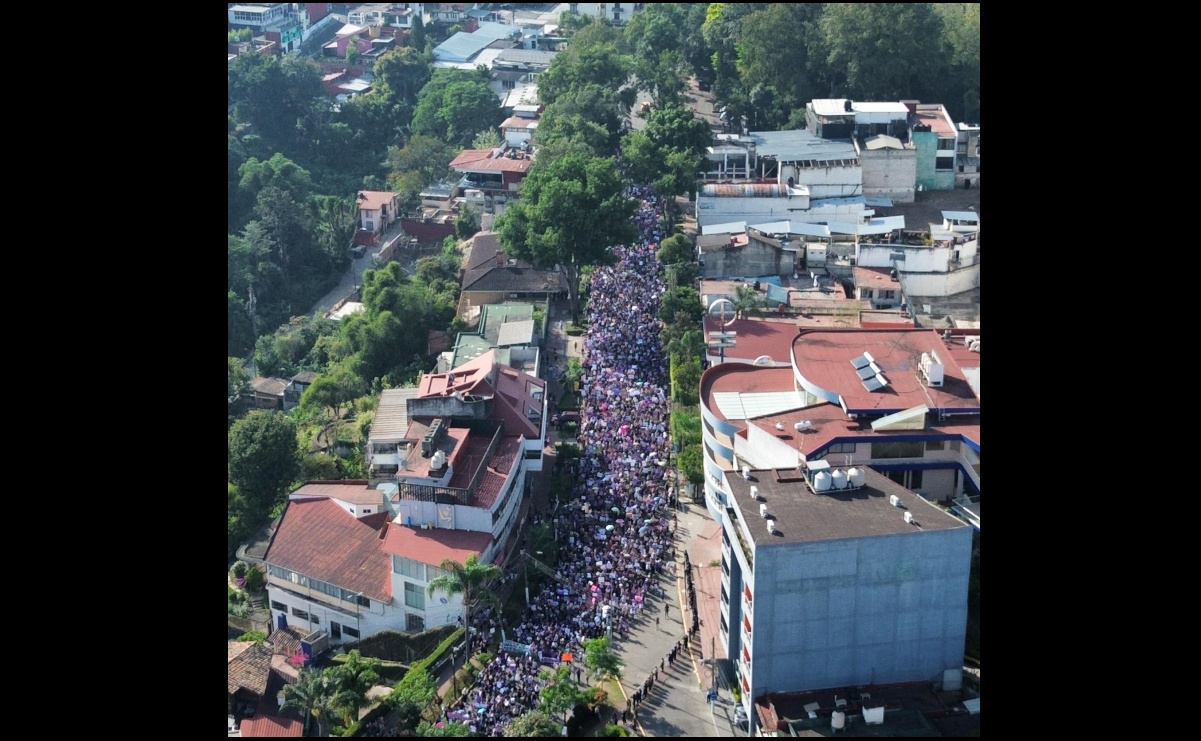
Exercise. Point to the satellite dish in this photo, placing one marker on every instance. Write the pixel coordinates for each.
(764, 360)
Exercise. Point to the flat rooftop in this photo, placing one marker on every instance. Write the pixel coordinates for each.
(755, 337)
(826, 359)
(803, 516)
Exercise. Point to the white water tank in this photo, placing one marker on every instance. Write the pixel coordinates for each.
(763, 511)
(439, 461)
(838, 720)
(894, 500)
(821, 481)
(840, 479)
(856, 477)
(908, 518)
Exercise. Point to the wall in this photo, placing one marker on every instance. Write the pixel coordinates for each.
(369, 619)
(927, 143)
(755, 259)
(825, 182)
(764, 450)
(890, 173)
(861, 611)
(917, 259)
(431, 232)
(941, 284)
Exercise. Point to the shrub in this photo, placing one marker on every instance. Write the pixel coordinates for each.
(612, 731)
(239, 569)
(255, 579)
(257, 636)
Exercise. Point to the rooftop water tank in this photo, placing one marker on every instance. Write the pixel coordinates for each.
(840, 479)
(821, 481)
(838, 720)
(771, 526)
(856, 477)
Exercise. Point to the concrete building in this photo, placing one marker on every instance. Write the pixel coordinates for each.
(849, 591)
(278, 22)
(936, 137)
(617, 13)
(967, 154)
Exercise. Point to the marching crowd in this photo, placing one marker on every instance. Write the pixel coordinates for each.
(615, 533)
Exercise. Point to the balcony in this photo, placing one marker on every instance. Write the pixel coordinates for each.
(746, 549)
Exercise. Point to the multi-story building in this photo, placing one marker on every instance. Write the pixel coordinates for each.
(618, 13)
(967, 152)
(850, 591)
(448, 464)
(279, 22)
(936, 137)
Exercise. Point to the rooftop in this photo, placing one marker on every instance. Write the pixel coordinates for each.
(417, 465)
(756, 337)
(392, 414)
(875, 278)
(518, 122)
(371, 200)
(434, 545)
(319, 539)
(800, 145)
(837, 107)
(271, 727)
(269, 386)
(490, 160)
(824, 359)
(803, 516)
(935, 117)
(351, 492)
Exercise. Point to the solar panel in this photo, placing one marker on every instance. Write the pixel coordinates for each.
(866, 372)
(861, 361)
(871, 384)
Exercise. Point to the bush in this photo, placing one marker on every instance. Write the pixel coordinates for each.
(257, 636)
(574, 331)
(612, 731)
(239, 569)
(255, 580)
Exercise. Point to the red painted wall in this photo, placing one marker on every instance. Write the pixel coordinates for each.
(427, 232)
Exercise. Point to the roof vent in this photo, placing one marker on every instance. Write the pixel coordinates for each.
(771, 527)
(746, 472)
(763, 511)
(908, 518)
(802, 426)
(780, 426)
(755, 493)
(894, 500)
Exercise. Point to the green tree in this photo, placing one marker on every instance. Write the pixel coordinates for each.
(691, 462)
(403, 72)
(746, 300)
(332, 391)
(559, 694)
(560, 132)
(675, 249)
(682, 305)
(467, 223)
(594, 57)
(571, 210)
(238, 380)
(487, 139)
(273, 93)
(412, 696)
(690, 344)
(422, 161)
(351, 680)
(264, 458)
(417, 34)
(600, 657)
(676, 127)
(455, 105)
(883, 51)
(469, 580)
(536, 724)
(453, 729)
(774, 48)
(311, 695)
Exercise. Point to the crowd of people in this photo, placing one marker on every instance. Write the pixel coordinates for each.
(615, 534)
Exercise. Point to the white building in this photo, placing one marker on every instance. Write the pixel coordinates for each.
(617, 13)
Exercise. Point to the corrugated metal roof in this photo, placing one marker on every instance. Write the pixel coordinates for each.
(494, 31)
(732, 227)
(737, 405)
(878, 202)
(526, 56)
(961, 215)
(392, 413)
(744, 190)
(460, 47)
(831, 107)
(883, 141)
(800, 144)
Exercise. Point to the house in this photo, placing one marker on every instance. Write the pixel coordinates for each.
(817, 473)
(370, 41)
(967, 154)
(299, 384)
(518, 131)
(277, 22)
(377, 210)
(881, 286)
(492, 278)
(268, 393)
(257, 676)
(617, 13)
(509, 329)
(497, 172)
(936, 138)
(515, 67)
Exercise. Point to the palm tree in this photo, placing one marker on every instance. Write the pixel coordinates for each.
(746, 300)
(469, 579)
(691, 344)
(351, 681)
(311, 695)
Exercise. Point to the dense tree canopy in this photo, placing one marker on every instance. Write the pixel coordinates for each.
(455, 105)
(264, 458)
(572, 209)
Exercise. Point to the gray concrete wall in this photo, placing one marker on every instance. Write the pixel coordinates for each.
(754, 260)
(851, 612)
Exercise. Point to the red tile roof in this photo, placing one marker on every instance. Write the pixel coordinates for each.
(266, 727)
(353, 492)
(371, 200)
(823, 358)
(756, 337)
(875, 278)
(434, 546)
(477, 376)
(518, 122)
(250, 669)
(481, 160)
(319, 539)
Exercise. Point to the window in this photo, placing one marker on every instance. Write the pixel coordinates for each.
(915, 479)
(946, 144)
(316, 620)
(841, 448)
(364, 601)
(335, 630)
(888, 294)
(408, 567)
(509, 84)
(898, 450)
(414, 596)
(303, 615)
(352, 632)
(414, 623)
(936, 445)
(279, 606)
(961, 168)
(533, 455)
(370, 226)
(944, 163)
